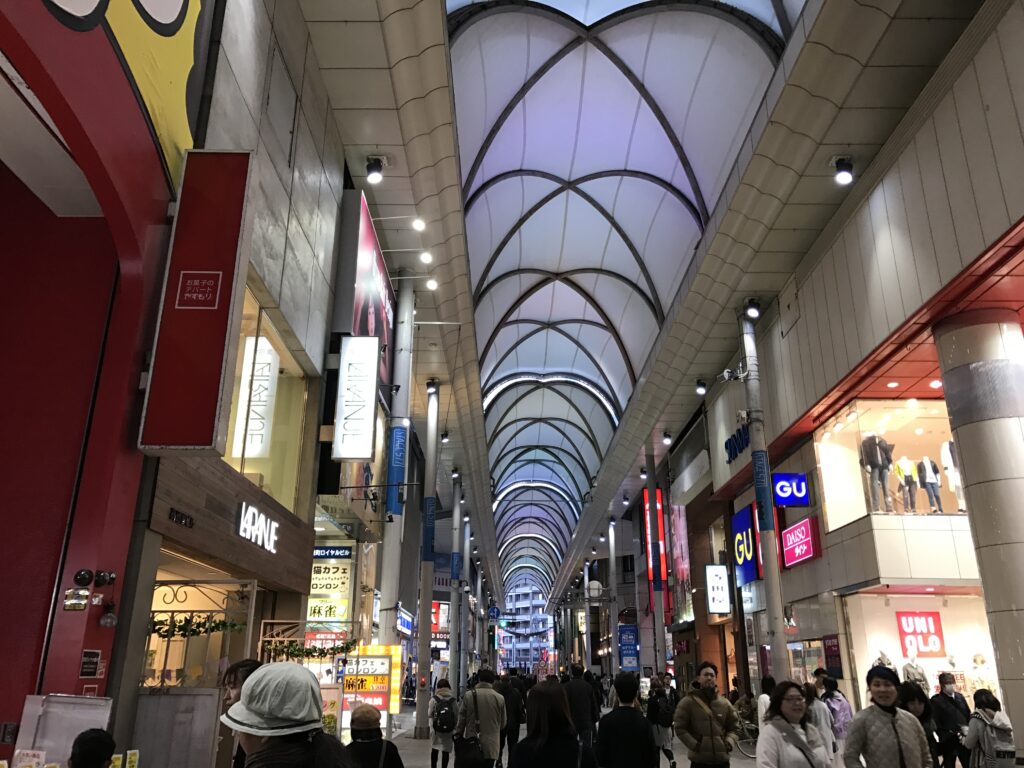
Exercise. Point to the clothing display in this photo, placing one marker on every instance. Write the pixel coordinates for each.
(884, 661)
(928, 474)
(950, 465)
(914, 673)
(906, 475)
(876, 458)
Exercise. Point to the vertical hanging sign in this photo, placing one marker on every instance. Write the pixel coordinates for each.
(355, 414)
(397, 447)
(188, 395)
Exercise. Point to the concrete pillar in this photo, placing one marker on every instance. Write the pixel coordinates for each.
(981, 354)
(454, 614)
(422, 729)
(398, 441)
(467, 615)
(586, 615)
(613, 605)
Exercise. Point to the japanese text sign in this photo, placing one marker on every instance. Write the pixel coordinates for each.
(800, 542)
(717, 587)
(921, 634)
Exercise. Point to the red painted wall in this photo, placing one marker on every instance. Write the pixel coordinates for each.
(64, 272)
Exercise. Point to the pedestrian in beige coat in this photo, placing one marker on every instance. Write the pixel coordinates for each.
(884, 735)
(484, 705)
(705, 722)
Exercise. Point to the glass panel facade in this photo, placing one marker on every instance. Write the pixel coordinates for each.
(267, 407)
(893, 457)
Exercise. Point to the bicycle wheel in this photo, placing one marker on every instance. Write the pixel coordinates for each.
(748, 740)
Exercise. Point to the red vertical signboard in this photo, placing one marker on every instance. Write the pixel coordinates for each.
(192, 370)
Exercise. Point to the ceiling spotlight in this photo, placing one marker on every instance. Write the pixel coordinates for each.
(892, 384)
(752, 309)
(611, 522)
(625, 500)
(426, 257)
(431, 284)
(431, 386)
(601, 538)
(472, 536)
(476, 551)
(701, 388)
(455, 473)
(374, 170)
(935, 384)
(593, 550)
(666, 438)
(462, 498)
(419, 224)
(444, 437)
(465, 518)
(643, 473)
(844, 170)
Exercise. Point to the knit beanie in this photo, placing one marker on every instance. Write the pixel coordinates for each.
(883, 673)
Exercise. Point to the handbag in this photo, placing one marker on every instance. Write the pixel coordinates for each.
(468, 752)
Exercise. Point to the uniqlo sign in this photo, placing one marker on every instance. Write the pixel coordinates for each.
(921, 634)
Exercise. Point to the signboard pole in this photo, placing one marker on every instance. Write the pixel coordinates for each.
(422, 730)
(398, 438)
(613, 582)
(454, 615)
(765, 504)
(464, 624)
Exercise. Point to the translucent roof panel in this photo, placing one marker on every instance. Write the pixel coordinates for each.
(594, 136)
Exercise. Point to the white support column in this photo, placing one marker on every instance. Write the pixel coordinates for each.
(613, 610)
(454, 612)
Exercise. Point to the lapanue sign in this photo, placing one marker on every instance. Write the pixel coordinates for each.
(355, 415)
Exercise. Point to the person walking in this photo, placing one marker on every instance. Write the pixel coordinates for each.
(582, 706)
(442, 712)
(989, 733)
(821, 718)
(915, 701)
(369, 748)
(764, 700)
(951, 713)
(551, 739)
(659, 714)
(232, 680)
(92, 748)
(842, 714)
(705, 722)
(789, 738)
(884, 735)
(278, 719)
(515, 713)
(483, 715)
(625, 738)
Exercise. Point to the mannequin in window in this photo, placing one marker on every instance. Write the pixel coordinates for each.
(906, 474)
(914, 672)
(928, 474)
(950, 465)
(876, 458)
(884, 661)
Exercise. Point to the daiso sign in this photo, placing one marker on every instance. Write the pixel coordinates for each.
(800, 542)
(921, 634)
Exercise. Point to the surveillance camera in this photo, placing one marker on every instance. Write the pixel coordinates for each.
(726, 375)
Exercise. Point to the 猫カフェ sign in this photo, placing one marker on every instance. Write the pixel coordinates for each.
(255, 526)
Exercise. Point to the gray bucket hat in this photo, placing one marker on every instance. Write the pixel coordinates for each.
(277, 700)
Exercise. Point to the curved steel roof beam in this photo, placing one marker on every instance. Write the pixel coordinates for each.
(551, 421)
(532, 537)
(544, 487)
(565, 184)
(557, 326)
(583, 294)
(551, 504)
(550, 464)
(551, 451)
(534, 551)
(549, 526)
(548, 580)
(544, 388)
(552, 378)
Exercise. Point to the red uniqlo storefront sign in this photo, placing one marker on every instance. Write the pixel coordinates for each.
(192, 371)
(921, 634)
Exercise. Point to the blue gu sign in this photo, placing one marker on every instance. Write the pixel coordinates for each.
(790, 489)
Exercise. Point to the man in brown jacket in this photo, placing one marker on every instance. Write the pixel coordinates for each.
(706, 723)
(486, 705)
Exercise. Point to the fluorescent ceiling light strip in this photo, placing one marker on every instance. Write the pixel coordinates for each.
(535, 484)
(555, 378)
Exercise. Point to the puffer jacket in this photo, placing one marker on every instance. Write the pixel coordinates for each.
(777, 746)
(709, 731)
(882, 738)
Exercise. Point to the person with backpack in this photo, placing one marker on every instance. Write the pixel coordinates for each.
(660, 712)
(443, 714)
(842, 713)
(989, 733)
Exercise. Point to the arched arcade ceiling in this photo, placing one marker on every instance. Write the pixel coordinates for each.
(594, 137)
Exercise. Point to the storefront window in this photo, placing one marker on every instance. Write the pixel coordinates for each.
(267, 408)
(893, 457)
(806, 656)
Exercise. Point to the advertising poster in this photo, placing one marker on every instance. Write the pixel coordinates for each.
(681, 564)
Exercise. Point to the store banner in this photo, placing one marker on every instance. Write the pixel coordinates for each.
(746, 549)
(355, 413)
(398, 444)
(654, 530)
(364, 300)
(801, 542)
(921, 634)
(790, 489)
(191, 375)
(717, 589)
(629, 648)
(833, 656)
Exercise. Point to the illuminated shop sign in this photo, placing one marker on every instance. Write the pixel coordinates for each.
(921, 634)
(717, 581)
(256, 527)
(355, 415)
(254, 419)
(405, 622)
(800, 542)
(790, 489)
(737, 443)
(332, 553)
(746, 546)
(654, 530)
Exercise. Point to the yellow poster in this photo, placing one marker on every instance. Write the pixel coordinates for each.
(132, 758)
(116, 761)
(327, 609)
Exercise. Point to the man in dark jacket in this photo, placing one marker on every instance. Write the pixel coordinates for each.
(625, 738)
(951, 714)
(515, 714)
(582, 705)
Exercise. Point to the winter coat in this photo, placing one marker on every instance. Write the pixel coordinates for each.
(777, 746)
(493, 718)
(882, 737)
(821, 717)
(950, 714)
(625, 740)
(366, 746)
(562, 750)
(582, 704)
(442, 741)
(842, 714)
(976, 730)
(762, 707)
(709, 731)
(287, 752)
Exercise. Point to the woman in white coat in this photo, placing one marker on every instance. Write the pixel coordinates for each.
(788, 739)
(442, 742)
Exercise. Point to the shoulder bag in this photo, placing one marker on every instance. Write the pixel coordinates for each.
(468, 752)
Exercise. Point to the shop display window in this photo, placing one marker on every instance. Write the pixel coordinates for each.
(888, 457)
(268, 405)
(805, 656)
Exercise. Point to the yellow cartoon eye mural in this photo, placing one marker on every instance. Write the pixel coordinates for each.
(163, 45)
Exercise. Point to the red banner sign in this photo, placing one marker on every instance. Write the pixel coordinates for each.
(188, 395)
(921, 634)
(800, 542)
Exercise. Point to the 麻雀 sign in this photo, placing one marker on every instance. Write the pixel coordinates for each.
(800, 542)
(921, 634)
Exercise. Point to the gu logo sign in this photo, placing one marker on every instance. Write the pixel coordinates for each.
(921, 634)
(790, 489)
(746, 547)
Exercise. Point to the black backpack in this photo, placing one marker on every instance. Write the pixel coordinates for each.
(444, 714)
(665, 711)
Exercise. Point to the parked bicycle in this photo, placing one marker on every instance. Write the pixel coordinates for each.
(748, 738)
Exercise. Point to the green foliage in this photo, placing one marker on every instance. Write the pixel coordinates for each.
(192, 626)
